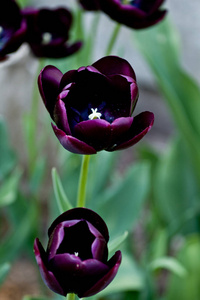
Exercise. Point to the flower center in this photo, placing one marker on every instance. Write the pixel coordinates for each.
(46, 38)
(94, 115)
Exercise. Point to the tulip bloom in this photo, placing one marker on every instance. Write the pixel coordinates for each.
(76, 257)
(92, 106)
(48, 32)
(136, 14)
(12, 28)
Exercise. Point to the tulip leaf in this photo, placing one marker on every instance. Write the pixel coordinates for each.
(176, 190)
(170, 264)
(9, 188)
(4, 269)
(7, 157)
(117, 242)
(186, 287)
(162, 52)
(13, 242)
(62, 200)
(121, 204)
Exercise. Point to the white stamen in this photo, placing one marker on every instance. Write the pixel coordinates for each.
(1, 30)
(76, 253)
(46, 38)
(94, 114)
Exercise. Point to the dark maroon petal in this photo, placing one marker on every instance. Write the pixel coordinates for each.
(71, 143)
(111, 65)
(132, 15)
(60, 117)
(119, 128)
(85, 273)
(142, 123)
(47, 276)
(82, 214)
(55, 50)
(68, 77)
(114, 264)
(48, 82)
(94, 132)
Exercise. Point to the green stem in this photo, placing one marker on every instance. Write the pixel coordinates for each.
(83, 181)
(70, 297)
(113, 39)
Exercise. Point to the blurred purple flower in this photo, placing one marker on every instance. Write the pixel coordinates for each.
(12, 28)
(92, 106)
(76, 257)
(136, 14)
(48, 32)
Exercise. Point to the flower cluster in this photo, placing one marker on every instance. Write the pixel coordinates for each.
(35, 27)
(136, 14)
(91, 108)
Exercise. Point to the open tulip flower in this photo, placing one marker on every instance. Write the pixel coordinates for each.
(76, 257)
(48, 32)
(136, 14)
(12, 28)
(92, 106)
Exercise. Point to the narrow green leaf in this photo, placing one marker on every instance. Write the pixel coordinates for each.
(170, 264)
(7, 157)
(10, 247)
(117, 242)
(186, 287)
(4, 269)
(121, 204)
(27, 297)
(8, 190)
(62, 200)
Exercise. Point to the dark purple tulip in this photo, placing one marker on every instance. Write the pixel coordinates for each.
(12, 28)
(76, 259)
(136, 14)
(92, 106)
(48, 32)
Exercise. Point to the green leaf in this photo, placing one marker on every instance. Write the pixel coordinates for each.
(169, 263)
(27, 297)
(9, 188)
(160, 48)
(4, 269)
(176, 190)
(62, 200)
(10, 247)
(121, 204)
(117, 242)
(186, 287)
(7, 157)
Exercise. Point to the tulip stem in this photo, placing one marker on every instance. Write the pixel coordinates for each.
(83, 181)
(113, 39)
(70, 296)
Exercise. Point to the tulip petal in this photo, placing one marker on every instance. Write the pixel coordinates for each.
(48, 276)
(119, 128)
(114, 264)
(81, 213)
(141, 124)
(48, 82)
(60, 117)
(85, 273)
(111, 65)
(71, 143)
(94, 132)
